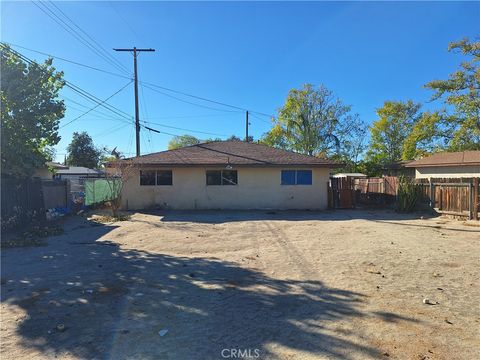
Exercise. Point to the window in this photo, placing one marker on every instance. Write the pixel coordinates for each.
(229, 177)
(296, 177)
(164, 177)
(155, 177)
(304, 177)
(147, 177)
(288, 177)
(222, 177)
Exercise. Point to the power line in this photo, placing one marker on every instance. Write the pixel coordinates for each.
(69, 61)
(99, 104)
(96, 111)
(188, 102)
(62, 23)
(240, 109)
(124, 20)
(205, 99)
(73, 87)
(184, 129)
(107, 54)
(110, 130)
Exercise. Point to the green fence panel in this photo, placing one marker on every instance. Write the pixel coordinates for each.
(100, 190)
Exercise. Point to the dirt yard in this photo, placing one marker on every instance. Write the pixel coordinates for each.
(266, 285)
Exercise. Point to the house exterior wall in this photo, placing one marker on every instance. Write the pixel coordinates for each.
(258, 188)
(43, 173)
(447, 172)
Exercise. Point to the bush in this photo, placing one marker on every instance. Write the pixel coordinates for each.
(408, 194)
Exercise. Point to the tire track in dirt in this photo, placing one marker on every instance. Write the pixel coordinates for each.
(299, 261)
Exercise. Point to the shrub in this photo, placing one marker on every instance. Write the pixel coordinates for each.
(407, 196)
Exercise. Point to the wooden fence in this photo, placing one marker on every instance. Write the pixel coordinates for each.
(376, 190)
(459, 197)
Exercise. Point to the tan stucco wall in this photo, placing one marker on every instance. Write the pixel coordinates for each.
(258, 188)
(447, 172)
(43, 173)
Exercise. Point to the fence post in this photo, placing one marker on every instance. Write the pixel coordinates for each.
(470, 200)
(432, 193)
(475, 198)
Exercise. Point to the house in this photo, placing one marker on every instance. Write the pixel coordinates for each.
(77, 176)
(47, 172)
(398, 168)
(463, 164)
(227, 175)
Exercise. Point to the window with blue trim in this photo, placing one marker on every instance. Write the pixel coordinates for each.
(288, 177)
(296, 177)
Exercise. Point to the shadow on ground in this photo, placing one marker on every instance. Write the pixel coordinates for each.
(113, 303)
(225, 216)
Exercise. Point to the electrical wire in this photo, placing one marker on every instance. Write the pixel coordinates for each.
(97, 105)
(107, 53)
(184, 129)
(149, 85)
(69, 61)
(52, 15)
(73, 87)
(188, 102)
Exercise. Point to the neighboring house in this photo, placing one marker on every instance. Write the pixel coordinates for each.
(350, 175)
(77, 176)
(227, 175)
(48, 171)
(398, 168)
(464, 164)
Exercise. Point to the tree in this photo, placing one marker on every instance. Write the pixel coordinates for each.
(389, 132)
(82, 152)
(182, 140)
(30, 112)
(314, 122)
(118, 172)
(461, 92)
(425, 137)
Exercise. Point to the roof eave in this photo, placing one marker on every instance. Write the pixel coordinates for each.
(223, 164)
(443, 165)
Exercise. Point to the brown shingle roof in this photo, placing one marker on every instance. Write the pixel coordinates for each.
(462, 158)
(237, 153)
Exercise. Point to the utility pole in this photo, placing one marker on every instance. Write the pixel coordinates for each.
(246, 126)
(137, 116)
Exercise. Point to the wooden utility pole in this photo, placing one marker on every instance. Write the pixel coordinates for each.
(137, 115)
(246, 126)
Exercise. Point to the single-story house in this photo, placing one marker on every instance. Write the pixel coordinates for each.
(227, 175)
(77, 176)
(463, 164)
(350, 175)
(398, 168)
(47, 172)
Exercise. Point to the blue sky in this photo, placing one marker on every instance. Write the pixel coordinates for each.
(245, 54)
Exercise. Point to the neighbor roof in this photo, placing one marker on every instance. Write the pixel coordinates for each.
(79, 170)
(238, 153)
(462, 158)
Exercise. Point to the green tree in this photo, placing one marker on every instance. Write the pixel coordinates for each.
(461, 93)
(82, 151)
(314, 122)
(396, 119)
(426, 136)
(182, 140)
(30, 112)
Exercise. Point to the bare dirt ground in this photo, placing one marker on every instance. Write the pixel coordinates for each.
(284, 285)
